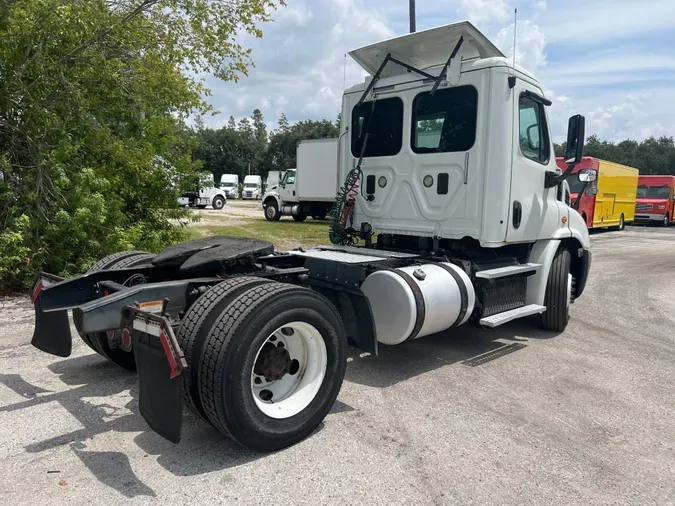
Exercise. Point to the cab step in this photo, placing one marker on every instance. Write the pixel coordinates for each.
(521, 312)
(511, 270)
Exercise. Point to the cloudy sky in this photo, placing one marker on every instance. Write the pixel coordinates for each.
(611, 60)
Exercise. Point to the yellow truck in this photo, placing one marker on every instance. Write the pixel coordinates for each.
(609, 201)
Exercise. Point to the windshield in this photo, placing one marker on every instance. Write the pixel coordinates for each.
(250, 185)
(227, 185)
(653, 192)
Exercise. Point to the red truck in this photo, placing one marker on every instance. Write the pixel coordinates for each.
(654, 203)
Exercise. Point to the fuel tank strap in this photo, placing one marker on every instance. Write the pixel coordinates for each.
(419, 302)
(462, 291)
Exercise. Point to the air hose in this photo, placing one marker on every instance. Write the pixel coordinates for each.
(343, 208)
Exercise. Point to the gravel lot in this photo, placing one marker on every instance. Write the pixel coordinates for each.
(584, 417)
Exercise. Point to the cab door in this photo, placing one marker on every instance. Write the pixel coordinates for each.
(534, 211)
(287, 187)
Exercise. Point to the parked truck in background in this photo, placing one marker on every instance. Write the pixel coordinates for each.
(229, 183)
(252, 187)
(655, 200)
(609, 201)
(471, 227)
(206, 193)
(311, 188)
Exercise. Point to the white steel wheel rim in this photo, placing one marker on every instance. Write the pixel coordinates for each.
(293, 392)
(270, 211)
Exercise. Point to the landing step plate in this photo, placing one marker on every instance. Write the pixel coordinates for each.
(511, 270)
(521, 312)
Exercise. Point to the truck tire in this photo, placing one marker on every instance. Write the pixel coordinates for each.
(218, 202)
(666, 221)
(272, 211)
(319, 217)
(300, 217)
(196, 325)
(621, 225)
(558, 293)
(275, 342)
(99, 341)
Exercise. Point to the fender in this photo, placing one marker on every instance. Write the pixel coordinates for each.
(542, 253)
(268, 195)
(576, 228)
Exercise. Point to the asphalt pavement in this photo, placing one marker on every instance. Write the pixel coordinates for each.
(512, 415)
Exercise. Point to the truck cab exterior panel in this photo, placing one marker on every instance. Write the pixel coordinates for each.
(452, 165)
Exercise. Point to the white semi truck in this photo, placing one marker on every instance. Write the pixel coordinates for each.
(445, 152)
(311, 188)
(206, 194)
(252, 187)
(229, 183)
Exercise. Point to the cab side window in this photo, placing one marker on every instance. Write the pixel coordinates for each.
(534, 140)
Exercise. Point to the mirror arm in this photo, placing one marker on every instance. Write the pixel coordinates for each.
(552, 179)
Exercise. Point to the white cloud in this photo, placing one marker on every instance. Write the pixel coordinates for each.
(607, 62)
(300, 62)
(530, 44)
(481, 12)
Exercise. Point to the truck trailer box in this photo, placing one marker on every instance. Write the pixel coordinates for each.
(655, 200)
(317, 169)
(609, 201)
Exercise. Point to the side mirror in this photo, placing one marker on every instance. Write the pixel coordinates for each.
(587, 176)
(576, 133)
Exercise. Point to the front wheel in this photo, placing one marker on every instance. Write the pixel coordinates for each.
(665, 221)
(272, 212)
(273, 366)
(558, 293)
(218, 202)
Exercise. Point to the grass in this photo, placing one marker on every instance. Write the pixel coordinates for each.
(284, 234)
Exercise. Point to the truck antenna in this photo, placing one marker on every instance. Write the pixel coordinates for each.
(515, 25)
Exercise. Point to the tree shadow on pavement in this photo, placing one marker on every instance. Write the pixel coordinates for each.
(203, 449)
(467, 345)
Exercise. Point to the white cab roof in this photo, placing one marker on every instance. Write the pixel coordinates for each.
(425, 49)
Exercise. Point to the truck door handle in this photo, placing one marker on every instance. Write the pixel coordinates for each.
(466, 167)
(517, 214)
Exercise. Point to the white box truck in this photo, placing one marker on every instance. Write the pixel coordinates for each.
(204, 195)
(229, 183)
(252, 187)
(472, 228)
(311, 188)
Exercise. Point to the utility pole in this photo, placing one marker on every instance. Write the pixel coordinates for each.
(413, 27)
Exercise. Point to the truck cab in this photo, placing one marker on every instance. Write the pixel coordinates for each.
(206, 193)
(229, 183)
(252, 187)
(655, 200)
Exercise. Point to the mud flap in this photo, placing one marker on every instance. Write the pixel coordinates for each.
(160, 362)
(52, 329)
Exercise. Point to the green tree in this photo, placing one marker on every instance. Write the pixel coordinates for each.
(93, 97)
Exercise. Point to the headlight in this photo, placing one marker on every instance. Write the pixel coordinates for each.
(662, 207)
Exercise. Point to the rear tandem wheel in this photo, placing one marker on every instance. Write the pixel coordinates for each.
(272, 365)
(99, 341)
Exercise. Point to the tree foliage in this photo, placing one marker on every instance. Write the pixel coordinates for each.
(650, 156)
(235, 147)
(93, 96)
